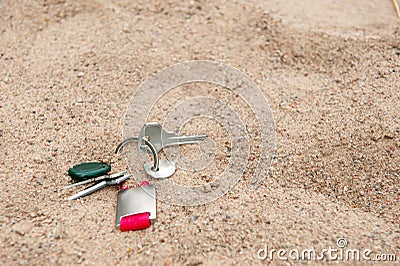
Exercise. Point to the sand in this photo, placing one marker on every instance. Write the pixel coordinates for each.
(330, 71)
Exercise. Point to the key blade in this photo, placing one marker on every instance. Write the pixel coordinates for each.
(88, 191)
(199, 137)
(83, 182)
(100, 178)
(118, 180)
(180, 140)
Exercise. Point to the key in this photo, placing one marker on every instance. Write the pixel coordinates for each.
(96, 179)
(99, 186)
(161, 138)
(152, 139)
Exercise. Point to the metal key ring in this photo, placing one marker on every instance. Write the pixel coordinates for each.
(149, 144)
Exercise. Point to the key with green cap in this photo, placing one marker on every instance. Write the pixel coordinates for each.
(97, 179)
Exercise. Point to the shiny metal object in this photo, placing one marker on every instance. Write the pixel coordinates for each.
(99, 186)
(136, 200)
(152, 139)
(166, 169)
(161, 138)
(100, 178)
(149, 145)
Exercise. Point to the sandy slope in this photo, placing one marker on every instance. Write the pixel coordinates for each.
(330, 72)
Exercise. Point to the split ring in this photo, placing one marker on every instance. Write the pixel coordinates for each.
(148, 143)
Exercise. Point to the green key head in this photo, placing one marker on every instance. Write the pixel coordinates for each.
(88, 170)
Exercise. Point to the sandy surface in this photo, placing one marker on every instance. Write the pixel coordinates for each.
(330, 71)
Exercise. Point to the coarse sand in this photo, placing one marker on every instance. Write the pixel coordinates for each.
(330, 71)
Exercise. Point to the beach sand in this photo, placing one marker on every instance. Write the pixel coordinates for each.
(330, 71)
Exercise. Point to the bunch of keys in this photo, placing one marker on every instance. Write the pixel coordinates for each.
(94, 172)
(136, 207)
(152, 139)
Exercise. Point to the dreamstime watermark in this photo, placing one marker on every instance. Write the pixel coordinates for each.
(338, 253)
(202, 106)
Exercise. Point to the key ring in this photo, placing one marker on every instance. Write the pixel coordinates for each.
(149, 144)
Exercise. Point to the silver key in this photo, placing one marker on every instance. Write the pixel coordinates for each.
(99, 186)
(161, 138)
(95, 179)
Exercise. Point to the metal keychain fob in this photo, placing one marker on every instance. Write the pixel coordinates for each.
(136, 200)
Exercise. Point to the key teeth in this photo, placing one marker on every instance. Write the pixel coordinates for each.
(119, 180)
